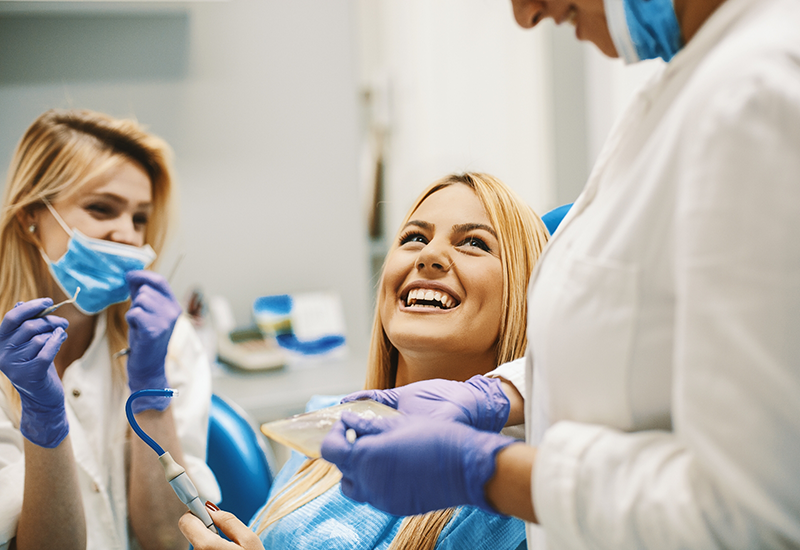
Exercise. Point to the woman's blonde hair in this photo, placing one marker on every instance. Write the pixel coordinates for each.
(60, 153)
(521, 236)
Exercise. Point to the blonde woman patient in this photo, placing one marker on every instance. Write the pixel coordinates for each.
(451, 305)
(87, 205)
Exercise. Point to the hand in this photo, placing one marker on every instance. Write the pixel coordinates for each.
(410, 465)
(479, 402)
(151, 319)
(28, 347)
(203, 539)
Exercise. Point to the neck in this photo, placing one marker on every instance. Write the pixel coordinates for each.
(415, 366)
(692, 14)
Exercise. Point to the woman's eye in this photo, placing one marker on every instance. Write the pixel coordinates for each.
(477, 243)
(413, 238)
(99, 209)
(140, 219)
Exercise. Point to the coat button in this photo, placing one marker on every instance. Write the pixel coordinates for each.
(76, 392)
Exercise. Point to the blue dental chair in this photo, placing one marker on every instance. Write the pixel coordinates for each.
(239, 458)
(553, 218)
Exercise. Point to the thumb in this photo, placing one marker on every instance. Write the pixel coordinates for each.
(234, 529)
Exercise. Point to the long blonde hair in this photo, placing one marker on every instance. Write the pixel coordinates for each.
(60, 153)
(522, 236)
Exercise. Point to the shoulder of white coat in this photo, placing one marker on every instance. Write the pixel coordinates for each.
(186, 351)
(754, 63)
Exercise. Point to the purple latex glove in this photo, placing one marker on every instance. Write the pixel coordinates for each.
(479, 402)
(27, 349)
(409, 465)
(151, 319)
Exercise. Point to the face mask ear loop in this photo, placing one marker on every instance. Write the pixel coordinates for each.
(617, 22)
(57, 217)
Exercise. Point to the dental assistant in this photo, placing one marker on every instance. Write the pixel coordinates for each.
(663, 360)
(86, 205)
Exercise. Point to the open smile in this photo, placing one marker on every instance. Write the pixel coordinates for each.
(429, 298)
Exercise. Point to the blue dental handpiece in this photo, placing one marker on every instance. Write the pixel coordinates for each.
(175, 473)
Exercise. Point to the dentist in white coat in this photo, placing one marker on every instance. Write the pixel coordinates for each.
(664, 317)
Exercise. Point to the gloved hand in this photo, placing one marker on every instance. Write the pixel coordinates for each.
(151, 319)
(411, 464)
(27, 349)
(479, 402)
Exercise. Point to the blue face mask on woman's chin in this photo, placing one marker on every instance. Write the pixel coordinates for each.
(643, 29)
(98, 267)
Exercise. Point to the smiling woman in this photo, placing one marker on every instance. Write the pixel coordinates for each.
(451, 304)
(86, 206)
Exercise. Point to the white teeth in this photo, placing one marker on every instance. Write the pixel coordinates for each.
(428, 295)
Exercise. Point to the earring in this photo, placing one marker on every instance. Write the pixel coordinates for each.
(32, 228)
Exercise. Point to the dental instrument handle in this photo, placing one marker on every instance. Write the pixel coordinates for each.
(185, 489)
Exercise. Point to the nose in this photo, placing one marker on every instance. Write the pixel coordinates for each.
(435, 257)
(528, 13)
(124, 231)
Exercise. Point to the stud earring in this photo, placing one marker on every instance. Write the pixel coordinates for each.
(32, 228)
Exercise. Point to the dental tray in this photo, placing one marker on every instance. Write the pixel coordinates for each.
(305, 432)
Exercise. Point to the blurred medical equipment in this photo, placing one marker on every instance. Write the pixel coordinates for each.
(174, 472)
(305, 432)
(54, 307)
(244, 348)
(239, 458)
(305, 324)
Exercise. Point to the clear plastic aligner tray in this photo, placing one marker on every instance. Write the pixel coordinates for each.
(305, 432)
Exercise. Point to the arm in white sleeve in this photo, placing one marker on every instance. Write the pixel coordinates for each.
(12, 476)
(189, 372)
(513, 372)
(728, 475)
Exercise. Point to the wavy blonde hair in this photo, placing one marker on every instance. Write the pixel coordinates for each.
(60, 153)
(522, 236)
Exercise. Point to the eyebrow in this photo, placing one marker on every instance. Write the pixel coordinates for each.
(458, 228)
(119, 200)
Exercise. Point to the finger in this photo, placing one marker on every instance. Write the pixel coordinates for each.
(235, 530)
(137, 279)
(335, 447)
(22, 312)
(52, 345)
(34, 327)
(200, 536)
(367, 426)
(387, 397)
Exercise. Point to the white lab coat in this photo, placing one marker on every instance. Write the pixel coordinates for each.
(99, 434)
(664, 317)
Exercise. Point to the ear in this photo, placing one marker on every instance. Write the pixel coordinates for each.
(29, 218)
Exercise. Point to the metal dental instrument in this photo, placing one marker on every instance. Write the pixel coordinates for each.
(174, 472)
(54, 307)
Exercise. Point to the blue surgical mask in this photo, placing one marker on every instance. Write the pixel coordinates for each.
(98, 267)
(643, 29)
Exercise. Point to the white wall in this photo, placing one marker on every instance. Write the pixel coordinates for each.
(461, 88)
(259, 100)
